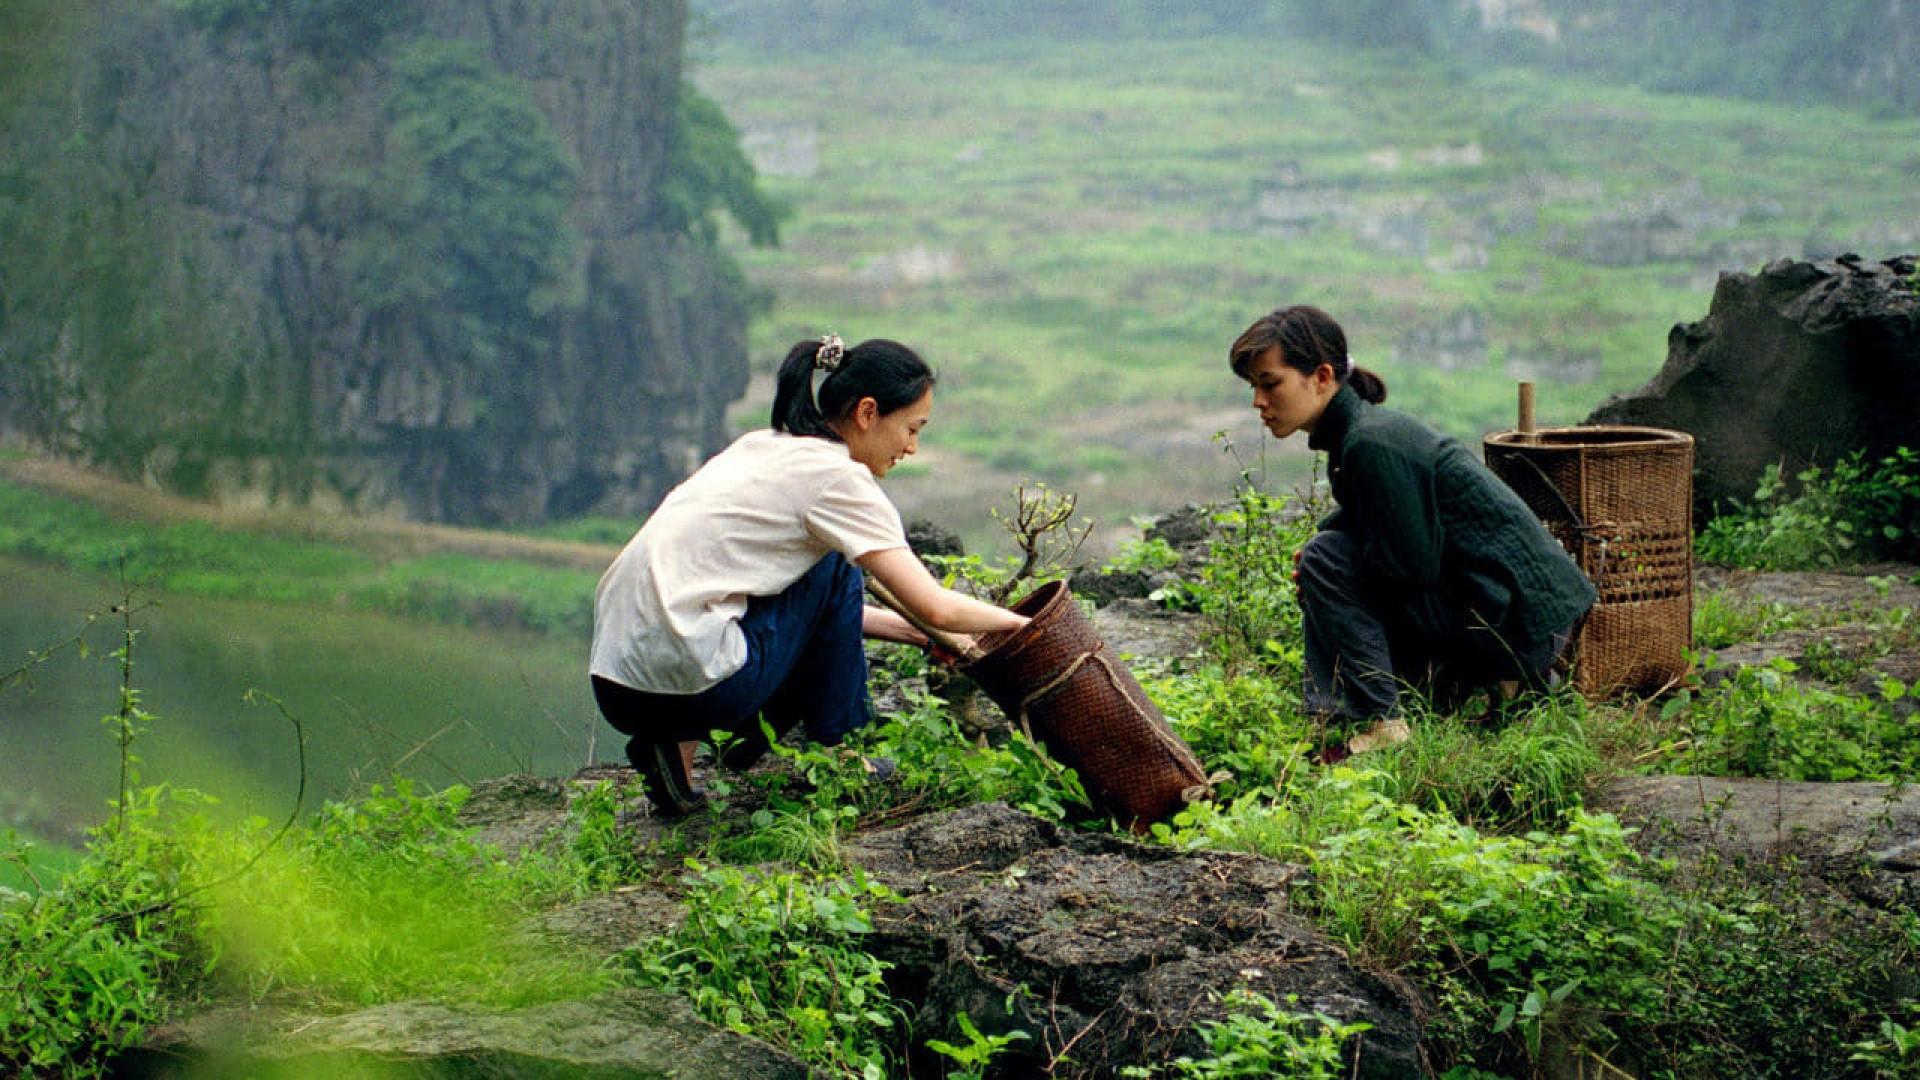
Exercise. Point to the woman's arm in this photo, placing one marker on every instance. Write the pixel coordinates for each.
(886, 625)
(901, 571)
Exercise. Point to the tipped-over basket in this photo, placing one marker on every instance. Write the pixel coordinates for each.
(1056, 678)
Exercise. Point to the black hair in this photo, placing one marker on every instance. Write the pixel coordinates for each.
(891, 374)
(1307, 337)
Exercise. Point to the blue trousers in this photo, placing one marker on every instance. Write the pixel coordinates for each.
(806, 665)
(1359, 657)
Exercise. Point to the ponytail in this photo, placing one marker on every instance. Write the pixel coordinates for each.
(794, 409)
(1369, 386)
(891, 374)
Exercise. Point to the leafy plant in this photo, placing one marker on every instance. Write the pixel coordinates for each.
(1849, 511)
(972, 1058)
(1260, 1038)
(778, 956)
(1895, 1050)
(602, 847)
(1246, 586)
(1762, 722)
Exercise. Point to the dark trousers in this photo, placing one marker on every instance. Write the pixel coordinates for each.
(805, 665)
(1359, 656)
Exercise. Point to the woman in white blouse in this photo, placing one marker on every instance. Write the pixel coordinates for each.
(742, 594)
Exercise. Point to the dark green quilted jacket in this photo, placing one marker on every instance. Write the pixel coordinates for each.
(1442, 540)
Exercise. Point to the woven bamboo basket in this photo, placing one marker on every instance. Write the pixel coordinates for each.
(1620, 499)
(1057, 679)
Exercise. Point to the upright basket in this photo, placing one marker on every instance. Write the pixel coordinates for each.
(1620, 499)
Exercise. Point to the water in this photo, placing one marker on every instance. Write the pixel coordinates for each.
(377, 695)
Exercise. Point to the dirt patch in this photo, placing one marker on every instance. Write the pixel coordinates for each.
(1107, 953)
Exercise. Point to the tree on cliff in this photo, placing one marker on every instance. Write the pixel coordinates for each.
(453, 257)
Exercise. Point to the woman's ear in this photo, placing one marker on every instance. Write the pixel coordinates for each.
(866, 412)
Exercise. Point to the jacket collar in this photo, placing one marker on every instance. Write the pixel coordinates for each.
(1335, 420)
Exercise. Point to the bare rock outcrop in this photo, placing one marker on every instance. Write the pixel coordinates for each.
(1800, 363)
(1107, 952)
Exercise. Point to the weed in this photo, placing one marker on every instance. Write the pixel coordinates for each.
(971, 1060)
(1259, 1038)
(1720, 620)
(602, 847)
(1847, 512)
(1762, 722)
(1246, 586)
(778, 956)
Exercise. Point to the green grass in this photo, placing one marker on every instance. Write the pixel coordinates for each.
(1100, 205)
(200, 559)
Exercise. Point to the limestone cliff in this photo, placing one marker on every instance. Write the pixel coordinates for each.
(296, 251)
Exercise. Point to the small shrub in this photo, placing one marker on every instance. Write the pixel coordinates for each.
(1848, 512)
(1261, 1039)
(971, 1060)
(1762, 722)
(778, 957)
(1246, 587)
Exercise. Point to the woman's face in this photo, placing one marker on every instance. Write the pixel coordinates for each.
(880, 440)
(1289, 400)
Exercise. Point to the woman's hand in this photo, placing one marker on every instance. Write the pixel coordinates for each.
(945, 657)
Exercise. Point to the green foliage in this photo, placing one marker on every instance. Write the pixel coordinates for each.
(1848, 512)
(779, 956)
(971, 1060)
(602, 847)
(707, 171)
(1895, 1050)
(385, 898)
(1246, 586)
(1260, 1038)
(1513, 936)
(84, 966)
(464, 222)
(1532, 770)
(1720, 620)
(1762, 722)
(936, 764)
(335, 31)
(1143, 554)
(1251, 726)
(208, 560)
(819, 794)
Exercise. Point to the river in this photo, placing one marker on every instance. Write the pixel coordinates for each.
(378, 697)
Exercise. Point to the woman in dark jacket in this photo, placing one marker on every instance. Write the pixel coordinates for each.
(1432, 570)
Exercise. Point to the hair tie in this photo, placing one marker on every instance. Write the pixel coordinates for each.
(828, 356)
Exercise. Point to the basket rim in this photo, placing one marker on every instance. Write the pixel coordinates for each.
(1568, 438)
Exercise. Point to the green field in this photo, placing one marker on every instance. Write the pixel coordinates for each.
(1073, 233)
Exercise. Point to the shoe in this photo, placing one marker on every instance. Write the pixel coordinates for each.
(663, 771)
(1387, 731)
(1331, 754)
(746, 751)
(879, 770)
